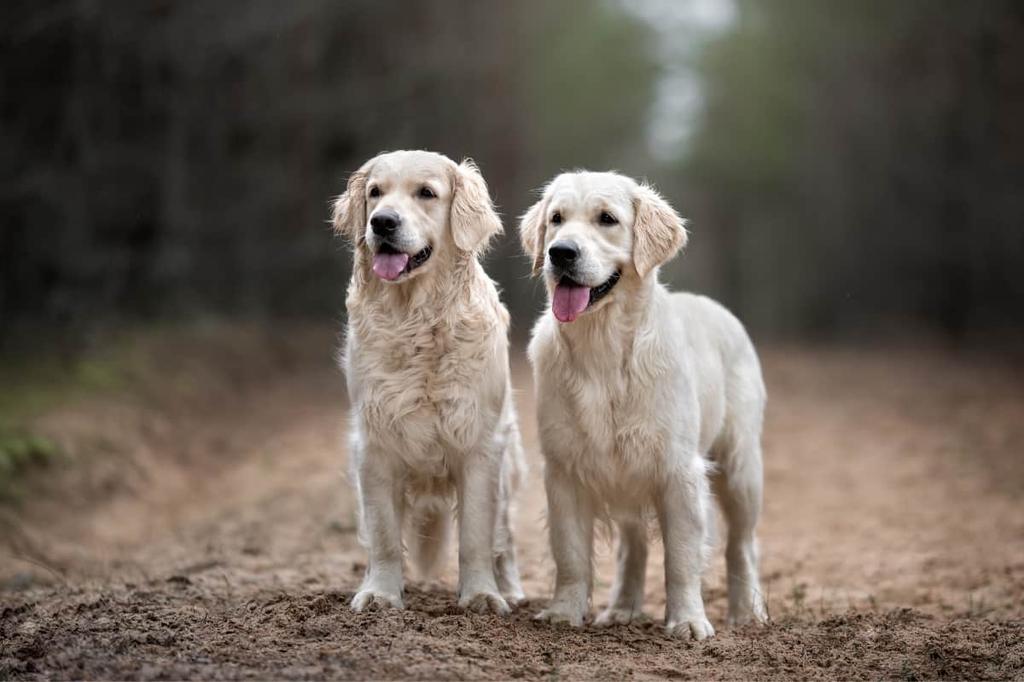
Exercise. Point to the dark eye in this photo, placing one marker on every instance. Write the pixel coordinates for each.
(426, 193)
(607, 218)
(374, 192)
(556, 218)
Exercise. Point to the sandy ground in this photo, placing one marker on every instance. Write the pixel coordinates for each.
(210, 533)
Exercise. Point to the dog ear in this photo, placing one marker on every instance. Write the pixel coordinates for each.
(473, 219)
(658, 231)
(532, 231)
(349, 217)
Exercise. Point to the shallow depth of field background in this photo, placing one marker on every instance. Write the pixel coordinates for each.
(172, 502)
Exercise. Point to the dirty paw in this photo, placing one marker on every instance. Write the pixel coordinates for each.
(515, 598)
(560, 613)
(485, 602)
(747, 618)
(373, 599)
(696, 628)
(617, 616)
(754, 613)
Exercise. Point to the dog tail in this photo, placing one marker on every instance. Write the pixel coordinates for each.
(430, 526)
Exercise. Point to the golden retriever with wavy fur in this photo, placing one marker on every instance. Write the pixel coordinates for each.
(426, 358)
(646, 401)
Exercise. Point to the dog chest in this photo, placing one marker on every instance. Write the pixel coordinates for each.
(429, 399)
(606, 430)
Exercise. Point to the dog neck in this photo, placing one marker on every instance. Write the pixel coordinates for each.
(448, 281)
(614, 326)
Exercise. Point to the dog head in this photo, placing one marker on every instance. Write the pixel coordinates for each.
(589, 230)
(408, 209)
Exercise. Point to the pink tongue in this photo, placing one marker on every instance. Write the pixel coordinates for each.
(389, 265)
(569, 301)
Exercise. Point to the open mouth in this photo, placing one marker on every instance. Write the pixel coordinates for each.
(571, 299)
(389, 263)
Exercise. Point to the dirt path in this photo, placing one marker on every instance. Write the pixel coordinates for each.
(215, 539)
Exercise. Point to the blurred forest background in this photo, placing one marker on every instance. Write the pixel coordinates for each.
(849, 168)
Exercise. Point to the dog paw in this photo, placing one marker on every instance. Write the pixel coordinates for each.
(753, 613)
(515, 598)
(695, 628)
(561, 613)
(485, 602)
(373, 599)
(617, 616)
(747, 617)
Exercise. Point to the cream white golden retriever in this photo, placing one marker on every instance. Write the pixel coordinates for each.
(646, 401)
(426, 358)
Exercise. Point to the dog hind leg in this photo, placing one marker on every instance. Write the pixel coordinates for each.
(738, 486)
(627, 597)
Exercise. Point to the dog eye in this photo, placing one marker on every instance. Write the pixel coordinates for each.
(374, 192)
(556, 218)
(426, 193)
(607, 218)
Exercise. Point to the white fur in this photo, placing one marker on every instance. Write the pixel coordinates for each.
(646, 403)
(426, 359)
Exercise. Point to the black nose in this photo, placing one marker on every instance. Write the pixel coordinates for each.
(563, 254)
(385, 222)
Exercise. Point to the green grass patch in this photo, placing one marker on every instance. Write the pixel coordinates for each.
(32, 385)
(29, 387)
(21, 453)
(159, 363)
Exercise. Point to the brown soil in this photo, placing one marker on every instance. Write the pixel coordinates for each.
(206, 531)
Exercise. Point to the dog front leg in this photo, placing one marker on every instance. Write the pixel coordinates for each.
(571, 519)
(682, 512)
(380, 506)
(478, 506)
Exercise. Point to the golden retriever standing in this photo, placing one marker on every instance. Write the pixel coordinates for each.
(643, 396)
(426, 357)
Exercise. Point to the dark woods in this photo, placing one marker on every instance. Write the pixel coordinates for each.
(862, 165)
(853, 166)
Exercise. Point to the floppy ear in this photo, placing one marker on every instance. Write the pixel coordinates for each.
(531, 233)
(350, 208)
(658, 232)
(473, 218)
